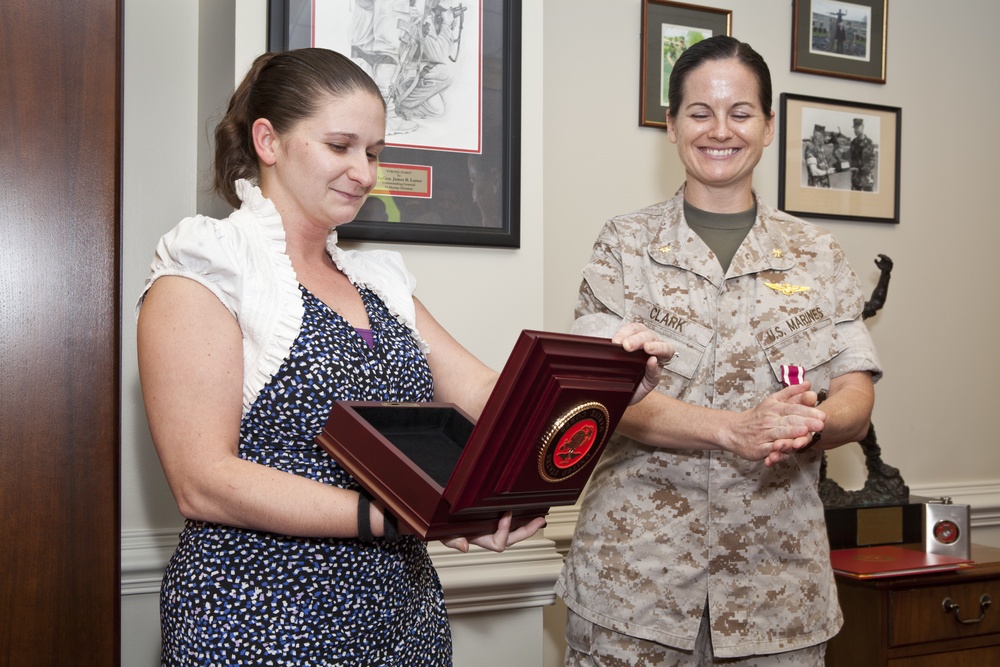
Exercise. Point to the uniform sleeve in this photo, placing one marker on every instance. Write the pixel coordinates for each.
(603, 288)
(853, 339)
(592, 318)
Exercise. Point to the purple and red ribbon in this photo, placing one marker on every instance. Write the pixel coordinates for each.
(791, 374)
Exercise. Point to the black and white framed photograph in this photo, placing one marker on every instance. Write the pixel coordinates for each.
(668, 29)
(840, 38)
(839, 159)
(449, 71)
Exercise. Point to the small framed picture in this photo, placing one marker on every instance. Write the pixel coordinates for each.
(668, 28)
(838, 160)
(839, 38)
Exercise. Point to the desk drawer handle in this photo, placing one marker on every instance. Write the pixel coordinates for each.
(950, 607)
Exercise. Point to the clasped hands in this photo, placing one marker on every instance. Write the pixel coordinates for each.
(781, 425)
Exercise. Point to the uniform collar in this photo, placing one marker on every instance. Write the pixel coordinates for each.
(676, 244)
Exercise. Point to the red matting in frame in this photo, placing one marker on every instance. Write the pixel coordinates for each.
(442, 474)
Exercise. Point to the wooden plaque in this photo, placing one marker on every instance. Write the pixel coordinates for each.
(442, 474)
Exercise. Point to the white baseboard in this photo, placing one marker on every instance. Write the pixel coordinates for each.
(522, 576)
(144, 559)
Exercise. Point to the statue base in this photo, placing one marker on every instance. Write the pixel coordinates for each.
(874, 525)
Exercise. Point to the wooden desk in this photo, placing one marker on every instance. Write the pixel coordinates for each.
(901, 622)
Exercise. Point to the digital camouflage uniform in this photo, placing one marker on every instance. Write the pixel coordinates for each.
(661, 531)
(863, 160)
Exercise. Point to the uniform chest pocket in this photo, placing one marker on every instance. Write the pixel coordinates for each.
(689, 338)
(811, 346)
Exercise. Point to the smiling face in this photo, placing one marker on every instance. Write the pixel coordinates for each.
(720, 130)
(320, 172)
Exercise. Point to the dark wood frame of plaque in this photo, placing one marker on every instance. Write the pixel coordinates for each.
(442, 474)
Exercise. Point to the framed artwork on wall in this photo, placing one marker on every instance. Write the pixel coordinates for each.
(840, 38)
(451, 76)
(668, 28)
(839, 160)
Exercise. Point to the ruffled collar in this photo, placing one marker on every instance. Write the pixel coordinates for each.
(372, 269)
(264, 210)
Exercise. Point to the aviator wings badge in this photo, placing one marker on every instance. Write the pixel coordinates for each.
(786, 289)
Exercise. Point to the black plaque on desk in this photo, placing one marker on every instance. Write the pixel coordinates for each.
(557, 400)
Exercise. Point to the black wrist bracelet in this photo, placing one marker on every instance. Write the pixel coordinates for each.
(390, 530)
(364, 519)
(815, 439)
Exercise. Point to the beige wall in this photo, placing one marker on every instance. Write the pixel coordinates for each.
(584, 158)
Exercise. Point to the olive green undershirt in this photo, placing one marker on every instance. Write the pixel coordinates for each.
(723, 233)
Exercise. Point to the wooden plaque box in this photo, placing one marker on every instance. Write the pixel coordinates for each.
(442, 474)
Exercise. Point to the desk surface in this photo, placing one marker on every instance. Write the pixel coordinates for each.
(987, 566)
(900, 621)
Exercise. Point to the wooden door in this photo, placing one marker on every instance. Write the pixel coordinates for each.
(60, 120)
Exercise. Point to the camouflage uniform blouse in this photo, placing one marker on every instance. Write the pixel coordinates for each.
(661, 531)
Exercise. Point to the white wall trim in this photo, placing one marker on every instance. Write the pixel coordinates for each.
(520, 577)
(982, 497)
(144, 559)
(560, 525)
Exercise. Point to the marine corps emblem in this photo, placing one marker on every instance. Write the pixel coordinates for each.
(572, 440)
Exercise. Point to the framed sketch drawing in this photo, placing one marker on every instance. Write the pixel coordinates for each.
(843, 38)
(450, 74)
(839, 160)
(668, 28)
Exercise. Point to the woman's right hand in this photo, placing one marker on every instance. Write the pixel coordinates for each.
(501, 539)
(633, 336)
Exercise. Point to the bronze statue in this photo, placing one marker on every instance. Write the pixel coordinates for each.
(875, 303)
(883, 484)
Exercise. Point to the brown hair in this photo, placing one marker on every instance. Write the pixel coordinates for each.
(719, 47)
(283, 87)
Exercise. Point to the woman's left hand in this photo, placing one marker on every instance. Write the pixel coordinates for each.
(501, 539)
(633, 336)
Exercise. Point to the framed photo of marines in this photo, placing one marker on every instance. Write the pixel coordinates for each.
(840, 38)
(450, 73)
(667, 30)
(838, 160)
